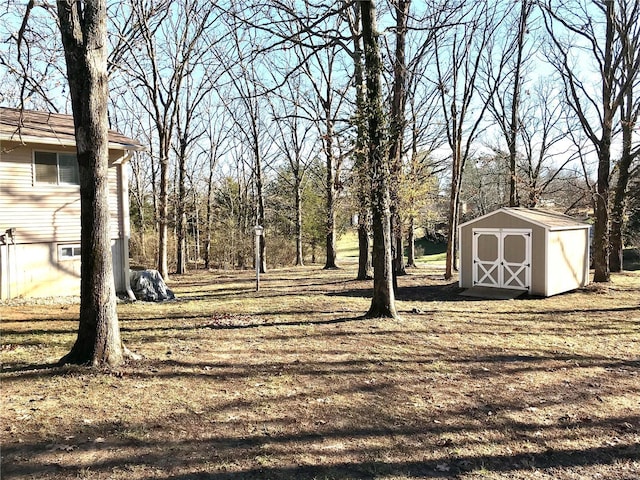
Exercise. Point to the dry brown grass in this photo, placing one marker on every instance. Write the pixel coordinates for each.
(290, 382)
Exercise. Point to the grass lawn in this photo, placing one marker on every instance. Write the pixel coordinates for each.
(291, 383)
(427, 252)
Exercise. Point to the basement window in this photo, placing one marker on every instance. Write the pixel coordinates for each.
(56, 168)
(69, 252)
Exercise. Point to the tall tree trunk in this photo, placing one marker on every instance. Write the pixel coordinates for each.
(208, 220)
(84, 36)
(330, 261)
(196, 233)
(213, 152)
(411, 243)
(298, 202)
(454, 203)
(163, 206)
(364, 246)
(525, 9)
(181, 214)
(361, 167)
(602, 273)
(629, 110)
(260, 209)
(619, 204)
(383, 301)
(396, 133)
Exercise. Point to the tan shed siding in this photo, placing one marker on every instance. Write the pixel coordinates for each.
(538, 256)
(502, 220)
(567, 260)
(465, 252)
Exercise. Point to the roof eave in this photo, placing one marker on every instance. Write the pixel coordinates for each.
(577, 226)
(516, 213)
(65, 142)
(510, 211)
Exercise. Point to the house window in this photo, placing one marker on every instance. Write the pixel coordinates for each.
(56, 168)
(68, 252)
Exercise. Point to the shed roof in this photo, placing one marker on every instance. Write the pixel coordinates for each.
(543, 218)
(29, 126)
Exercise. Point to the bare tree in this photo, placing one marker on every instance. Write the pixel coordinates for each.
(31, 57)
(383, 301)
(458, 58)
(361, 171)
(543, 130)
(158, 61)
(628, 28)
(214, 149)
(330, 90)
(84, 35)
(190, 127)
(246, 107)
(591, 29)
(292, 138)
(505, 103)
(425, 128)
(314, 29)
(397, 127)
(362, 180)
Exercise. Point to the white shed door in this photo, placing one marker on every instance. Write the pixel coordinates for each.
(502, 258)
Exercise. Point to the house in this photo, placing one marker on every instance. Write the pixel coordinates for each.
(40, 205)
(541, 252)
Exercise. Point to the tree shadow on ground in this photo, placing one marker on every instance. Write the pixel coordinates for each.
(214, 457)
(437, 293)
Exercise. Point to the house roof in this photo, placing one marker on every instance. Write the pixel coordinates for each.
(543, 218)
(29, 126)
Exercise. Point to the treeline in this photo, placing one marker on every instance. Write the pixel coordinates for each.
(260, 114)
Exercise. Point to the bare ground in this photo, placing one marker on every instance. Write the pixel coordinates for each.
(291, 382)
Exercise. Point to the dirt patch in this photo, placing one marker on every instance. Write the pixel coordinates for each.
(291, 382)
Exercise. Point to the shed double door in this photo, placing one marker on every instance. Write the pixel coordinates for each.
(502, 258)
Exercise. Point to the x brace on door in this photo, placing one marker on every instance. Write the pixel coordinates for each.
(502, 258)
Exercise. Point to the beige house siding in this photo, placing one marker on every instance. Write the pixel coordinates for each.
(46, 216)
(35, 270)
(43, 213)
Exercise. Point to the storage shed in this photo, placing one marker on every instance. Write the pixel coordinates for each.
(541, 252)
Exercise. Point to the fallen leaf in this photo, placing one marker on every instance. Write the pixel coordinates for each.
(63, 447)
